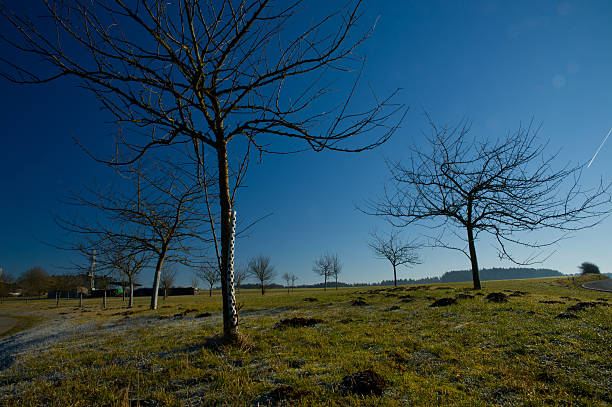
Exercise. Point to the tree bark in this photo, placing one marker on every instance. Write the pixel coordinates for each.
(131, 303)
(104, 300)
(158, 267)
(262, 288)
(81, 300)
(394, 275)
(230, 325)
(473, 259)
(210, 291)
(325, 282)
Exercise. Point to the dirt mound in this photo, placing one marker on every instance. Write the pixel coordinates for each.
(444, 302)
(281, 396)
(570, 298)
(464, 297)
(310, 299)
(497, 297)
(358, 302)
(393, 308)
(517, 294)
(297, 322)
(566, 315)
(363, 383)
(551, 302)
(203, 315)
(584, 305)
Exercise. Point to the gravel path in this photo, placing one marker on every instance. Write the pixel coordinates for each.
(600, 285)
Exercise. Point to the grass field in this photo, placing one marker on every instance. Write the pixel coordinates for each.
(472, 353)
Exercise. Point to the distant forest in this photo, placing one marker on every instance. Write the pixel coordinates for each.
(448, 277)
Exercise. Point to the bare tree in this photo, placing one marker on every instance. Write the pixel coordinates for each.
(128, 260)
(336, 268)
(209, 272)
(287, 278)
(261, 270)
(208, 73)
(168, 275)
(194, 283)
(497, 186)
(159, 216)
(394, 249)
(323, 267)
(293, 278)
(240, 275)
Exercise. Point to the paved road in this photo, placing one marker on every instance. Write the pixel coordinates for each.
(601, 285)
(6, 323)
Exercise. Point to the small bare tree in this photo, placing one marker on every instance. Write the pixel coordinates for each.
(168, 275)
(128, 260)
(497, 186)
(262, 271)
(287, 278)
(293, 278)
(394, 249)
(240, 275)
(209, 272)
(323, 267)
(336, 268)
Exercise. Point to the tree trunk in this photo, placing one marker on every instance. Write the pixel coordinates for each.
(131, 303)
(123, 292)
(81, 300)
(104, 301)
(165, 293)
(262, 288)
(394, 275)
(57, 298)
(210, 291)
(158, 267)
(336, 282)
(325, 282)
(230, 317)
(473, 259)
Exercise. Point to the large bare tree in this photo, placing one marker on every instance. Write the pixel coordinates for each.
(497, 186)
(229, 77)
(394, 249)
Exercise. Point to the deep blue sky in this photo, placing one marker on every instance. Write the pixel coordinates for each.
(497, 63)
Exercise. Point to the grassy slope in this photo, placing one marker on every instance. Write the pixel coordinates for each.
(473, 353)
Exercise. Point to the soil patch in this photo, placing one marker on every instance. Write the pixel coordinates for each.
(203, 315)
(551, 302)
(297, 322)
(363, 383)
(517, 294)
(281, 395)
(444, 302)
(358, 303)
(584, 305)
(310, 299)
(497, 297)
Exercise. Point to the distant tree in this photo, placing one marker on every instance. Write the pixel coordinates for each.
(195, 281)
(128, 259)
(240, 275)
(6, 284)
(168, 275)
(336, 268)
(323, 266)
(209, 272)
(60, 283)
(287, 278)
(261, 270)
(392, 248)
(589, 268)
(293, 278)
(493, 185)
(34, 281)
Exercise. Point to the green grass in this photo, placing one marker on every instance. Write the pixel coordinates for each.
(474, 353)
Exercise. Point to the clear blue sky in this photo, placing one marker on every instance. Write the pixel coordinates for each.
(497, 63)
